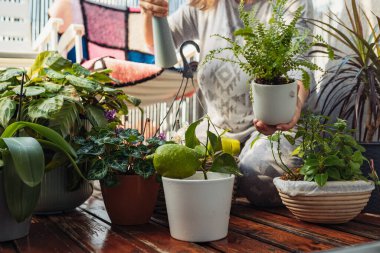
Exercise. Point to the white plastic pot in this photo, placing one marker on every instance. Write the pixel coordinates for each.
(274, 104)
(199, 209)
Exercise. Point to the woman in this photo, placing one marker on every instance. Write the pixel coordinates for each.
(224, 85)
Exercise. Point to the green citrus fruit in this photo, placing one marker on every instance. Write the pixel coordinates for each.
(230, 146)
(176, 161)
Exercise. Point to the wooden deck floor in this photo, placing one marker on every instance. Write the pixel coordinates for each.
(88, 229)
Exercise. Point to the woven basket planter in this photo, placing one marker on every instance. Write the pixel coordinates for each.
(334, 203)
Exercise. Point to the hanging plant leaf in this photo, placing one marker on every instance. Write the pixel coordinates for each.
(7, 110)
(191, 139)
(45, 107)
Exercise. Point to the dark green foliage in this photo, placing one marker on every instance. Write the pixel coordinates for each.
(271, 50)
(111, 151)
(329, 151)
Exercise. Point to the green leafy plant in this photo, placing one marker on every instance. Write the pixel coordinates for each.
(329, 152)
(353, 84)
(61, 95)
(181, 161)
(23, 164)
(111, 151)
(270, 50)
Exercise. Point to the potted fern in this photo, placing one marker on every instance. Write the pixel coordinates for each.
(69, 99)
(268, 53)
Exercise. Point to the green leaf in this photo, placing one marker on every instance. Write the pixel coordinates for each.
(21, 199)
(96, 116)
(358, 157)
(215, 141)
(83, 83)
(67, 119)
(79, 70)
(308, 170)
(355, 167)
(290, 139)
(97, 171)
(7, 110)
(4, 85)
(103, 78)
(334, 173)
(321, 179)
(9, 73)
(27, 158)
(56, 62)
(296, 151)
(45, 107)
(191, 139)
(45, 132)
(225, 163)
(312, 162)
(30, 90)
(52, 87)
(53, 74)
(333, 161)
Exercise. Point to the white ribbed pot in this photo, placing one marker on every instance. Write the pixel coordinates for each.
(199, 209)
(55, 196)
(274, 104)
(10, 229)
(334, 203)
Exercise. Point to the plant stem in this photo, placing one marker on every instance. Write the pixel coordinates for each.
(205, 158)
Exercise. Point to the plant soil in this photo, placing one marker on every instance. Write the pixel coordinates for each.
(277, 81)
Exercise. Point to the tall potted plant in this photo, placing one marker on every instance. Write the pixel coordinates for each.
(351, 85)
(198, 180)
(69, 99)
(117, 157)
(268, 53)
(329, 187)
(22, 166)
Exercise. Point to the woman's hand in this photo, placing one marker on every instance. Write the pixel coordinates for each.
(157, 8)
(268, 129)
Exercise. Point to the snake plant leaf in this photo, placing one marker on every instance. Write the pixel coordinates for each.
(45, 107)
(21, 199)
(46, 132)
(7, 110)
(27, 159)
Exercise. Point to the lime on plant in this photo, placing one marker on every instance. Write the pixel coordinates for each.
(230, 146)
(176, 161)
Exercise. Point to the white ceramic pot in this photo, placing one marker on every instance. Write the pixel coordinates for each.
(336, 202)
(274, 104)
(198, 209)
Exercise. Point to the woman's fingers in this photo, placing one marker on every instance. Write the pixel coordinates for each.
(158, 8)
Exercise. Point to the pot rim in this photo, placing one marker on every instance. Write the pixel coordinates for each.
(304, 188)
(227, 177)
(272, 85)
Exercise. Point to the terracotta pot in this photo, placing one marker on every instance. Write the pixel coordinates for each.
(10, 229)
(132, 201)
(335, 203)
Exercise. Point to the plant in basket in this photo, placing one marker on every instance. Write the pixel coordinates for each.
(117, 157)
(198, 180)
(268, 53)
(69, 99)
(330, 186)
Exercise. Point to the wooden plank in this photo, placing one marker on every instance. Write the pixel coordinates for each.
(234, 242)
(94, 235)
(369, 218)
(277, 237)
(153, 235)
(45, 236)
(298, 227)
(7, 247)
